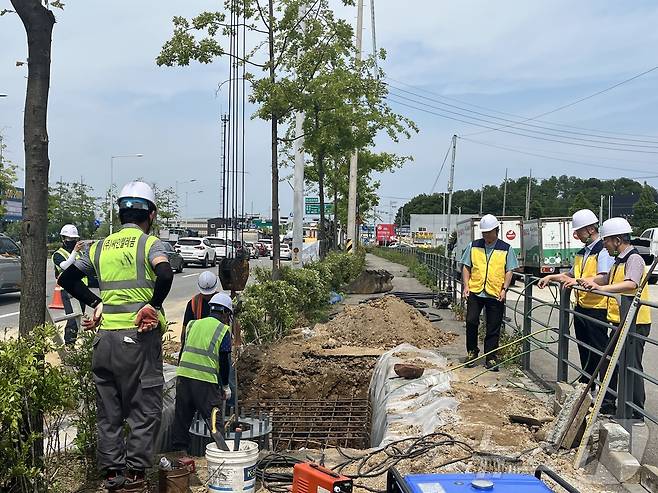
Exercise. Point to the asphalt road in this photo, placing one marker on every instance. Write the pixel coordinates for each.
(184, 287)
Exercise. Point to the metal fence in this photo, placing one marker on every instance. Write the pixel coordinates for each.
(554, 358)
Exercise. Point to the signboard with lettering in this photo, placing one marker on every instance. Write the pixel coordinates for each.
(12, 201)
(311, 200)
(314, 209)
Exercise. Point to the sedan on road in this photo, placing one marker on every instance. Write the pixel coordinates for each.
(10, 266)
(197, 250)
(175, 259)
(285, 253)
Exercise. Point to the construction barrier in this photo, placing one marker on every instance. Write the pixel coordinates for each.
(57, 303)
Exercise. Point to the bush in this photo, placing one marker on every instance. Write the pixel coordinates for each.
(269, 310)
(31, 389)
(313, 291)
(339, 268)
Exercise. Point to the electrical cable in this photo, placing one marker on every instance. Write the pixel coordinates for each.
(518, 133)
(441, 169)
(559, 124)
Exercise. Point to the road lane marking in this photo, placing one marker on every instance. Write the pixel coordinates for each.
(9, 314)
(189, 275)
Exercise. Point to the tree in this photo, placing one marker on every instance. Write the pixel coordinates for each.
(7, 174)
(168, 209)
(645, 210)
(286, 44)
(71, 203)
(38, 21)
(580, 202)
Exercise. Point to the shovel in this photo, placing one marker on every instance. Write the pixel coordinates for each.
(216, 433)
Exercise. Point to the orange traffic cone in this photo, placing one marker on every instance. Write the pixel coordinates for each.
(57, 303)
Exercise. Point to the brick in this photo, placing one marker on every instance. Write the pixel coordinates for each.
(649, 478)
(614, 438)
(622, 465)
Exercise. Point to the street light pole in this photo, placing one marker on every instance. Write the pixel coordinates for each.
(178, 198)
(112, 158)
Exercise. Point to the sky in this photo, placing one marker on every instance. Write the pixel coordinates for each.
(502, 58)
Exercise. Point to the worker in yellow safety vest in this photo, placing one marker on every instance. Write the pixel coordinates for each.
(62, 258)
(591, 260)
(134, 278)
(625, 276)
(488, 263)
(203, 370)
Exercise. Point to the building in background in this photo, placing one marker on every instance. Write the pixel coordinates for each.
(430, 230)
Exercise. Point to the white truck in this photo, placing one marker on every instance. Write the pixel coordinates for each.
(549, 245)
(510, 232)
(649, 236)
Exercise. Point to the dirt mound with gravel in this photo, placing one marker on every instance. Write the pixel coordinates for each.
(335, 359)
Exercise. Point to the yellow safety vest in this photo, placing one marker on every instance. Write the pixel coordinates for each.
(200, 357)
(618, 274)
(586, 299)
(58, 270)
(125, 277)
(488, 274)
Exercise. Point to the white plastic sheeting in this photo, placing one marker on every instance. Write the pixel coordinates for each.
(405, 408)
(311, 252)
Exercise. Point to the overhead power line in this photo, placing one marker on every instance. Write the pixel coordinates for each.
(522, 117)
(441, 169)
(519, 133)
(573, 103)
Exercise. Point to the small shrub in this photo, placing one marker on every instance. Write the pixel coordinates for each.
(339, 268)
(313, 290)
(269, 310)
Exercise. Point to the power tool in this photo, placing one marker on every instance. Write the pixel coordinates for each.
(313, 478)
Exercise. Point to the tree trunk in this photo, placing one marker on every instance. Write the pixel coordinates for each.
(322, 230)
(38, 22)
(275, 158)
(334, 232)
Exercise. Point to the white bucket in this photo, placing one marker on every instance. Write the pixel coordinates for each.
(230, 471)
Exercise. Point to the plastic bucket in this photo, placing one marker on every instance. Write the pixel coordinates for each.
(230, 471)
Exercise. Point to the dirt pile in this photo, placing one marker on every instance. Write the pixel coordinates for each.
(336, 359)
(385, 322)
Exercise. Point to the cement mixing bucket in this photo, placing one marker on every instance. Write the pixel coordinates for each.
(230, 471)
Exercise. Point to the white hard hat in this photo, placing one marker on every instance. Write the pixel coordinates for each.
(583, 217)
(221, 299)
(488, 223)
(136, 190)
(70, 231)
(615, 226)
(207, 282)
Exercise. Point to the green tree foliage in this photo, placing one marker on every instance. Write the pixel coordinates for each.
(580, 202)
(7, 174)
(552, 197)
(71, 203)
(645, 210)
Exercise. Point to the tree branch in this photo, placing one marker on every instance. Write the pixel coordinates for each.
(285, 39)
(262, 16)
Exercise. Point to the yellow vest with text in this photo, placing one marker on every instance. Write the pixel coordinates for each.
(618, 274)
(488, 273)
(125, 277)
(58, 270)
(586, 299)
(200, 357)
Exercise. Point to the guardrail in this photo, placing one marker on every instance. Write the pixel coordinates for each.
(549, 361)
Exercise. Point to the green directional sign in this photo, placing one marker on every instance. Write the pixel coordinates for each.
(314, 209)
(311, 200)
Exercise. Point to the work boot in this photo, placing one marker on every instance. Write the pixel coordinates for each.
(114, 480)
(135, 482)
(492, 365)
(471, 359)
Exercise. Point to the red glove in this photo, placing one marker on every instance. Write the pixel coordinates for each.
(147, 319)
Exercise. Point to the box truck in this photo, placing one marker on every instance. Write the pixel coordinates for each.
(549, 245)
(510, 232)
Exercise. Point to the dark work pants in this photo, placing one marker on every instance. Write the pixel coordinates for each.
(127, 369)
(191, 396)
(635, 361)
(494, 319)
(71, 328)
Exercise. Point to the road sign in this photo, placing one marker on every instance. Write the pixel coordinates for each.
(314, 209)
(311, 200)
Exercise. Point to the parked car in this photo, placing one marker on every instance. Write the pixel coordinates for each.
(221, 248)
(262, 249)
(197, 250)
(253, 251)
(650, 248)
(285, 253)
(10, 265)
(175, 259)
(268, 244)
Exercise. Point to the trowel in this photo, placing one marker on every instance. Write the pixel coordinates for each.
(217, 433)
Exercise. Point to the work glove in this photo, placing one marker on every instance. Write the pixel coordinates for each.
(147, 319)
(90, 323)
(227, 392)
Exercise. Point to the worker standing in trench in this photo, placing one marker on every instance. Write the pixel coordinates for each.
(203, 371)
(488, 263)
(625, 277)
(134, 278)
(592, 260)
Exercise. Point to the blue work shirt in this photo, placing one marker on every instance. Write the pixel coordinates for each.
(511, 261)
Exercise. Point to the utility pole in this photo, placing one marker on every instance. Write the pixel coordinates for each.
(481, 198)
(298, 190)
(351, 204)
(527, 196)
(223, 208)
(450, 186)
(505, 193)
(374, 37)
(601, 210)
(609, 206)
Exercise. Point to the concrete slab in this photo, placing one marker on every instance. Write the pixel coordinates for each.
(623, 466)
(649, 478)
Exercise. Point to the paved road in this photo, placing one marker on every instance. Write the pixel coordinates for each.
(183, 289)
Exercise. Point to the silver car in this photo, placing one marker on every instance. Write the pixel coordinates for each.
(10, 265)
